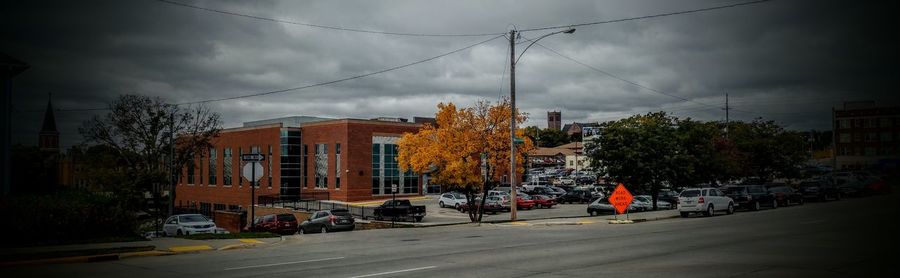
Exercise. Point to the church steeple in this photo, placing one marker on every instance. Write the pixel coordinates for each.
(48, 138)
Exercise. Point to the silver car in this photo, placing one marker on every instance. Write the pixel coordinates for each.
(188, 224)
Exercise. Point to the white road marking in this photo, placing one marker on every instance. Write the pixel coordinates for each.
(287, 263)
(395, 271)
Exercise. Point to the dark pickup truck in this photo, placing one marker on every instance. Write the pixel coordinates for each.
(399, 209)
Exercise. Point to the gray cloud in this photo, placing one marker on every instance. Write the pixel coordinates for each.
(790, 61)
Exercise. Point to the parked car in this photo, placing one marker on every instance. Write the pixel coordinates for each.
(548, 191)
(492, 205)
(669, 196)
(648, 202)
(576, 196)
(820, 190)
(640, 203)
(600, 206)
(188, 224)
(399, 209)
(284, 223)
(786, 196)
(750, 196)
(326, 221)
(529, 186)
(543, 201)
(704, 200)
(523, 201)
(452, 199)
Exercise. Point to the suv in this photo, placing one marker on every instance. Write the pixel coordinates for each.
(751, 196)
(705, 200)
(580, 196)
(284, 223)
(819, 190)
(325, 221)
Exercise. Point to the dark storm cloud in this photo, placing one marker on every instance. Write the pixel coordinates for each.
(785, 60)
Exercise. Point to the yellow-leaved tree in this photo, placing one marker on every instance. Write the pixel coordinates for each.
(451, 150)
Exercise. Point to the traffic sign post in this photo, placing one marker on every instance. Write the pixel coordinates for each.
(249, 170)
(393, 202)
(621, 200)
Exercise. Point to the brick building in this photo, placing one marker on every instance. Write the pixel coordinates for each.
(342, 159)
(866, 135)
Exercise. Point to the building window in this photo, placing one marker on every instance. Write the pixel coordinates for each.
(305, 166)
(376, 169)
(337, 166)
(887, 137)
(857, 137)
(269, 166)
(321, 170)
(219, 207)
(234, 207)
(190, 171)
(385, 170)
(844, 123)
(290, 163)
(869, 151)
(240, 156)
(871, 137)
(212, 166)
(885, 122)
(200, 165)
(845, 138)
(205, 208)
(226, 166)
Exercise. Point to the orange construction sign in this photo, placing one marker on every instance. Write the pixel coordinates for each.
(621, 198)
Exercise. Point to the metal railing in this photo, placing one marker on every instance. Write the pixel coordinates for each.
(312, 202)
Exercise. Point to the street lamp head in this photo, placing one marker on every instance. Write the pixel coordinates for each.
(570, 31)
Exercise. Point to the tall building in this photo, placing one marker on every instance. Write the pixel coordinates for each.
(554, 120)
(866, 135)
(48, 138)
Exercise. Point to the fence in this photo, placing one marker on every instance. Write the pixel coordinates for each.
(314, 202)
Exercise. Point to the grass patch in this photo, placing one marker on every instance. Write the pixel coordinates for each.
(72, 253)
(232, 235)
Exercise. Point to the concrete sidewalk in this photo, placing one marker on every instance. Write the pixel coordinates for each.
(109, 251)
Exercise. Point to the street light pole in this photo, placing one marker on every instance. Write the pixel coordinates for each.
(512, 125)
(512, 118)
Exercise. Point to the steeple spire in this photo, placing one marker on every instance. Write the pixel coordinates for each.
(48, 138)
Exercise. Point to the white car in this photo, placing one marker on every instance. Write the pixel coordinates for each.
(188, 224)
(452, 199)
(705, 200)
(647, 202)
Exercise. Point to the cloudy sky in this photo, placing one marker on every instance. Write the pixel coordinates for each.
(786, 60)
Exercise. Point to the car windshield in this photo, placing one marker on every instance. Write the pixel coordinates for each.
(690, 193)
(192, 218)
(459, 196)
(340, 212)
(734, 190)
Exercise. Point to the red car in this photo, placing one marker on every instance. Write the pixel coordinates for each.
(523, 201)
(285, 224)
(543, 201)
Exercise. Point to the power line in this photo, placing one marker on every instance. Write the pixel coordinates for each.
(623, 79)
(322, 26)
(648, 16)
(343, 79)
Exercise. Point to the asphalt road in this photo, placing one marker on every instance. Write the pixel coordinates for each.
(849, 238)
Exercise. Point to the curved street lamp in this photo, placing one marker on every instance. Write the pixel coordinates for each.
(512, 102)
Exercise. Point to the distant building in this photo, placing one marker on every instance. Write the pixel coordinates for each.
(554, 119)
(866, 135)
(574, 128)
(425, 120)
(575, 157)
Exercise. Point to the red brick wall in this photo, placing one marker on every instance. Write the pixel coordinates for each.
(238, 193)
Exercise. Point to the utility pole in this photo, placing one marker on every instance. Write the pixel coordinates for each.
(512, 125)
(727, 120)
(172, 170)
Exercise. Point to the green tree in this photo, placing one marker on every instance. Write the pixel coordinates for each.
(767, 150)
(639, 151)
(138, 129)
(546, 138)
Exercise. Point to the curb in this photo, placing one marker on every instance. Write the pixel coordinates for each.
(235, 246)
(89, 259)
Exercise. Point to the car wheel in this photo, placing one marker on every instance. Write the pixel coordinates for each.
(730, 209)
(324, 229)
(802, 201)
(164, 233)
(684, 214)
(591, 212)
(178, 233)
(774, 204)
(787, 202)
(709, 211)
(301, 231)
(441, 204)
(756, 205)
(838, 197)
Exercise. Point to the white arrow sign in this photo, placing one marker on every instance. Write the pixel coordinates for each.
(248, 174)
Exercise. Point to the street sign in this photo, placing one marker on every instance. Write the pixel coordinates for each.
(248, 173)
(394, 188)
(621, 198)
(253, 157)
(518, 141)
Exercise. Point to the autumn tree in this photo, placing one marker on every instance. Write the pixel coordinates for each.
(452, 150)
